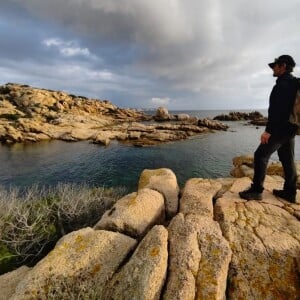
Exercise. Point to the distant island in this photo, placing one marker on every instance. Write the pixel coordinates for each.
(29, 114)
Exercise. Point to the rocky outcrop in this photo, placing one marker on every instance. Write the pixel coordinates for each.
(152, 134)
(255, 117)
(212, 124)
(30, 115)
(162, 114)
(216, 246)
(259, 122)
(243, 166)
(264, 238)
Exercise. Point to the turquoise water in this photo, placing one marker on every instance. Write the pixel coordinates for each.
(48, 163)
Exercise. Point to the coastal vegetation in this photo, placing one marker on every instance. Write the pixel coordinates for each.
(32, 221)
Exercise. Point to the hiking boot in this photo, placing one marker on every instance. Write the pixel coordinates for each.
(286, 195)
(251, 194)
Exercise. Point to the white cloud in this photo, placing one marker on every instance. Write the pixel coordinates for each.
(67, 48)
(160, 101)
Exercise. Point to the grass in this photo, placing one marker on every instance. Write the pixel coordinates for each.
(32, 221)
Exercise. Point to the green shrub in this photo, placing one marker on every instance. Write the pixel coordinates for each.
(32, 221)
(7, 259)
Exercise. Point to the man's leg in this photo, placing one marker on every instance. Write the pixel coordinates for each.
(286, 157)
(261, 158)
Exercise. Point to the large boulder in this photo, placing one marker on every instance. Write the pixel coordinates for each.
(135, 213)
(182, 117)
(162, 114)
(197, 196)
(199, 259)
(143, 277)
(164, 181)
(80, 265)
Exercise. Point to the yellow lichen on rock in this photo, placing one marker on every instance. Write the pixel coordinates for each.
(164, 181)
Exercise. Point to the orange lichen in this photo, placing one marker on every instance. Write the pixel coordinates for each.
(95, 269)
(132, 201)
(80, 243)
(154, 251)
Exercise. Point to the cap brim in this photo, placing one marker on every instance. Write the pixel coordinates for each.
(271, 65)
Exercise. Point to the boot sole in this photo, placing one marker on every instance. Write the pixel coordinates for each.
(249, 197)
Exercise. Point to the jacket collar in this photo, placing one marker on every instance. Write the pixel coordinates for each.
(284, 76)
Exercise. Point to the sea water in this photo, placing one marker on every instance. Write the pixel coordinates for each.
(207, 156)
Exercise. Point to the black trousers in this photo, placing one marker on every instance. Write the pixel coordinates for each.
(285, 147)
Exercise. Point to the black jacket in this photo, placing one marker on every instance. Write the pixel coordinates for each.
(281, 104)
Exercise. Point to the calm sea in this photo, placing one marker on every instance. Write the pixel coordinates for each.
(49, 163)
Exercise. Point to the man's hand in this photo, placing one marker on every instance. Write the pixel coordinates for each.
(264, 139)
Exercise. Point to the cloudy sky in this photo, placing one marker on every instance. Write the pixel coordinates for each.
(182, 54)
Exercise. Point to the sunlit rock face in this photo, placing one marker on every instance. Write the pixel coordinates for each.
(214, 246)
(30, 114)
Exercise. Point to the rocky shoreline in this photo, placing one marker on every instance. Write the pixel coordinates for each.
(159, 243)
(30, 114)
(254, 118)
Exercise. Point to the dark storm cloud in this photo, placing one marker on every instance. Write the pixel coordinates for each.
(210, 53)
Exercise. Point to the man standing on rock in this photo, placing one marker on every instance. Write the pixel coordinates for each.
(279, 134)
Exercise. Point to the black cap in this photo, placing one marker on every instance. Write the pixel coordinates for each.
(287, 59)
